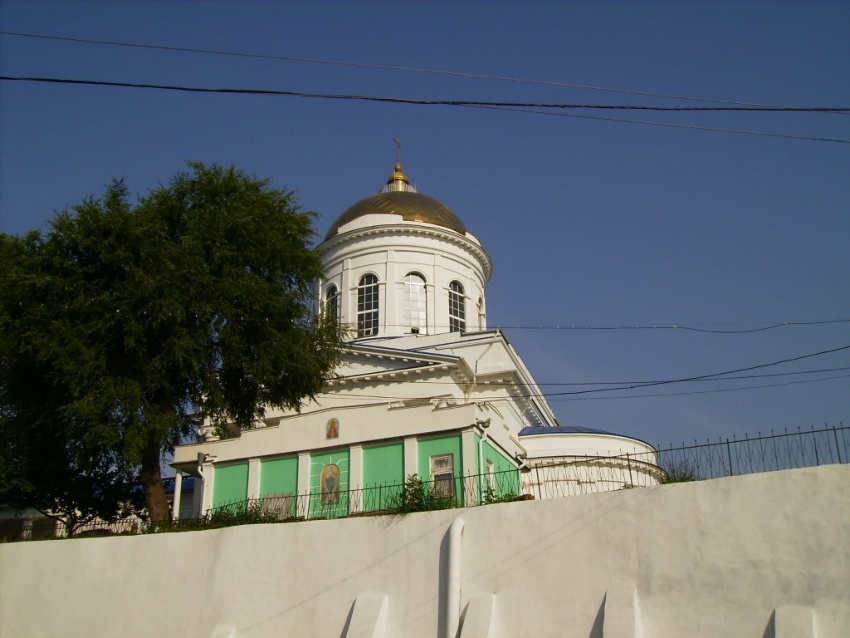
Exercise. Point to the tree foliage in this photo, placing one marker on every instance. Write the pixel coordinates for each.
(194, 303)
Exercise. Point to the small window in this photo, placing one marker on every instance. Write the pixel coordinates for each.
(457, 307)
(332, 302)
(415, 314)
(367, 306)
(443, 475)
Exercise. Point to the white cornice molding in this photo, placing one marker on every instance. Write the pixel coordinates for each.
(434, 232)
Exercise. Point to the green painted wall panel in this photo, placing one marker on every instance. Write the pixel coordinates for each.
(383, 464)
(279, 476)
(230, 484)
(505, 479)
(383, 474)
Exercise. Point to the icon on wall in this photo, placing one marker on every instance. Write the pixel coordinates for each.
(332, 429)
(329, 481)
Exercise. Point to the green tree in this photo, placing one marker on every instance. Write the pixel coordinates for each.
(45, 463)
(192, 304)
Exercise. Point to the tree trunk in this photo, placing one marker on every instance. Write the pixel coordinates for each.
(152, 483)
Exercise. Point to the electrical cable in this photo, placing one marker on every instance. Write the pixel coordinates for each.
(674, 326)
(384, 67)
(558, 398)
(676, 394)
(586, 383)
(424, 102)
(693, 127)
(459, 103)
(703, 376)
(648, 384)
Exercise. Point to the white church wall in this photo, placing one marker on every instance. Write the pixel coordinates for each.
(308, 432)
(754, 556)
(392, 253)
(558, 445)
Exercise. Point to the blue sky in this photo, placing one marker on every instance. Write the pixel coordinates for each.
(589, 223)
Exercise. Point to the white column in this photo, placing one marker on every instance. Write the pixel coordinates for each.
(207, 484)
(303, 484)
(253, 478)
(390, 301)
(347, 296)
(411, 458)
(178, 493)
(355, 478)
(467, 451)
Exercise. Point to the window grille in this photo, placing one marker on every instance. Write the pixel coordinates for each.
(415, 315)
(367, 306)
(457, 307)
(332, 302)
(443, 475)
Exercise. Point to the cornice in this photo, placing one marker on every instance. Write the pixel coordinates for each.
(434, 232)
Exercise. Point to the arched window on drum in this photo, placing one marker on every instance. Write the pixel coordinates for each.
(457, 307)
(332, 302)
(367, 306)
(415, 310)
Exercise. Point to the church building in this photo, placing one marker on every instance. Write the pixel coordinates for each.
(425, 388)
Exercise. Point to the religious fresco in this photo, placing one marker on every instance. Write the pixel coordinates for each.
(332, 429)
(329, 483)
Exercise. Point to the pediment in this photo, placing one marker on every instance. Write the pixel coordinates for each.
(373, 363)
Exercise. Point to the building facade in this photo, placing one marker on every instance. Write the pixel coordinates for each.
(425, 388)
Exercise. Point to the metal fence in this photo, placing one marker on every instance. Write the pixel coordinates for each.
(712, 459)
(414, 495)
(761, 453)
(45, 527)
(576, 475)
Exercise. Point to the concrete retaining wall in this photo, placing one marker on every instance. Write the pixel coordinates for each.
(762, 555)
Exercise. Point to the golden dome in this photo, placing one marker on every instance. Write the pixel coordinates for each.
(400, 198)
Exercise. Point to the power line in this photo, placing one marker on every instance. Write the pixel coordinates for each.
(704, 376)
(457, 103)
(385, 67)
(556, 397)
(637, 385)
(676, 394)
(693, 127)
(772, 326)
(423, 102)
(586, 383)
(699, 328)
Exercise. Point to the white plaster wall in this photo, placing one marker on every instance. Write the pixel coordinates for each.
(390, 252)
(758, 556)
(554, 446)
(356, 426)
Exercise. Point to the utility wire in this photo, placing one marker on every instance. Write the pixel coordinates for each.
(586, 383)
(772, 326)
(423, 102)
(704, 376)
(633, 386)
(693, 127)
(676, 394)
(384, 67)
(459, 103)
(556, 397)
(674, 326)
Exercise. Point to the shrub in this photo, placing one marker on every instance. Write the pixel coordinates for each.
(418, 496)
(683, 471)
